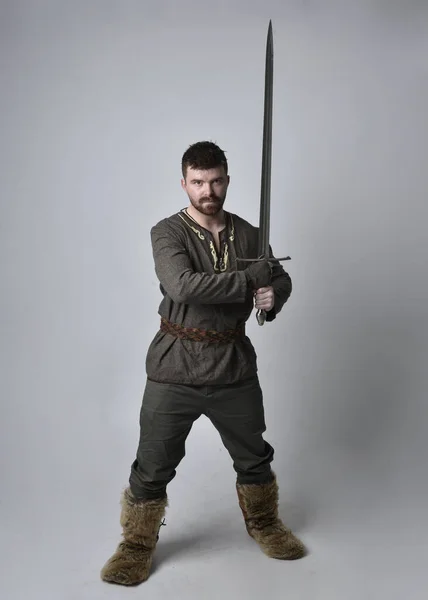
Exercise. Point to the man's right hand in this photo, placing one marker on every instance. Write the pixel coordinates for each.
(259, 274)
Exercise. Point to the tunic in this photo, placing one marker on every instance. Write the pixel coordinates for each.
(206, 289)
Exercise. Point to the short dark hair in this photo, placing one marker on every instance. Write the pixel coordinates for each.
(203, 155)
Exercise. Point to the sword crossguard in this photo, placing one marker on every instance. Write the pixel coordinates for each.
(271, 259)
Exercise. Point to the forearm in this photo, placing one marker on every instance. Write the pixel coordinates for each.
(188, 287)
(177, 277)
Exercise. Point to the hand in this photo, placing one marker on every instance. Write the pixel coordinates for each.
(258, 274)
(264, 298)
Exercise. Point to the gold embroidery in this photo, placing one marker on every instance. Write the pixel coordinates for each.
(214, 253)
(225, 261)
(232, 235)
(198, 233)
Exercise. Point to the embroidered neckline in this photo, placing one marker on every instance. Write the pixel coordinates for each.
(197, 230)
(220, 260)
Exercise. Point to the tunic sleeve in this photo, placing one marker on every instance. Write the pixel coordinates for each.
(174, 270)
(282, 286)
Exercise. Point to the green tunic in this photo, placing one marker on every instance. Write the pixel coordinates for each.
(205, 289)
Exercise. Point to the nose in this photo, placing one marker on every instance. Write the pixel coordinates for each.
(208, 189)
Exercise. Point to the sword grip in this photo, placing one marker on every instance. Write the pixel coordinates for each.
(261, 314)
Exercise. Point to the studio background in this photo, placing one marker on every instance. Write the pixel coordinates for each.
(98, 102)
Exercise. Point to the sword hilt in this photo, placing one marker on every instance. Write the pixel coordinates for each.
(261, 314)
(270, 259)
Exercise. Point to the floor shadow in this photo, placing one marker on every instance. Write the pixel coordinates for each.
(206, 541)
(352, 413)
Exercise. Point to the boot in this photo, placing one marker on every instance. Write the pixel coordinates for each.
(259, 506)
(141, 522)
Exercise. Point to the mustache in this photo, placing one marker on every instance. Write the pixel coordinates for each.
(212, 197)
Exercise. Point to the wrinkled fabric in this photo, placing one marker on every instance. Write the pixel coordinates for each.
(206, 289)
(167, 415)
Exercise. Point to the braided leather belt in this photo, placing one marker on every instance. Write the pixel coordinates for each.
(202, 335)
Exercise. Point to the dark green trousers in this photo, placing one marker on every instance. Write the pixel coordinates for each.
(167, 414)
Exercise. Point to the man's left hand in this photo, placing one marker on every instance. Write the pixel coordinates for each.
(264, 298)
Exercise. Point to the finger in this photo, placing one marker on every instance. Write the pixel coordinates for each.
(263, 301)
(264, 296)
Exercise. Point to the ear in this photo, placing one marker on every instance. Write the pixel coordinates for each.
(183, 184)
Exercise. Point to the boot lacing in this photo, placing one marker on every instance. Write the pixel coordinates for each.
(162, 524)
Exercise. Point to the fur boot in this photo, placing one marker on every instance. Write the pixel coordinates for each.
(259, 506)
(141, 522)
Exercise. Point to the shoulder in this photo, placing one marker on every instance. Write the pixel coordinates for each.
(243, 223)
(172, 224)
(243, 228)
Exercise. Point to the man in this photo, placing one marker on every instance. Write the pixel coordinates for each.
(201, 362)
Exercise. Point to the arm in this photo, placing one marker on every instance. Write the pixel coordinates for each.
(176, 275)
(282, 288)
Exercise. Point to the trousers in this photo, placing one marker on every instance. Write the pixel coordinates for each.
(167, 414)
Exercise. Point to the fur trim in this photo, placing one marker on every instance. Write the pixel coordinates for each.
(141, 522)
(259, 506)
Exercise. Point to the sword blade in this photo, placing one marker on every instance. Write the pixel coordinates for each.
(264, 219)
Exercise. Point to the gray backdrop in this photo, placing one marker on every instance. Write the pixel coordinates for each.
(98, 102)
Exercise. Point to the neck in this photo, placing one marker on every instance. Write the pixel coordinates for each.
(207, 221)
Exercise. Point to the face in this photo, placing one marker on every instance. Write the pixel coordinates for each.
(206, 189)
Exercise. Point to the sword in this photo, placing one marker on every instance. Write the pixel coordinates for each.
(264, 219)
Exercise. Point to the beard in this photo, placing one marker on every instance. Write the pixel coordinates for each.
(208, 205)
